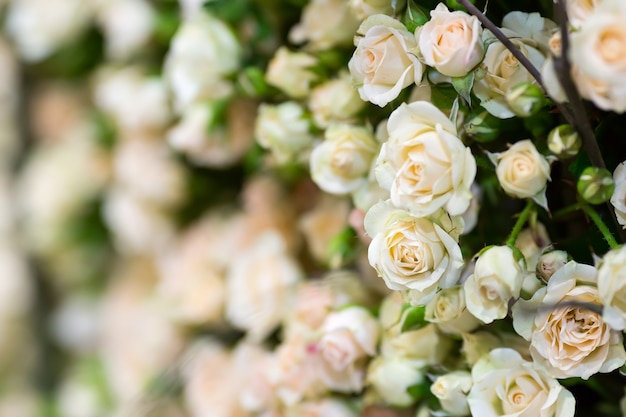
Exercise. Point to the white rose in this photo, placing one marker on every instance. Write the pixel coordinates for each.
(579, 10)
(382, 64)
(531, 26)
(365, 8)
(335, 101)
(507, 385)
(427, 344)
(496, 280)
(569, 340)
(618, 199)
(391, 376)
(451, 42)
(424, 164)
(451, 389)
(411, 252)
(448, 311)
(291, 72)
(283, 130)
(503, 71)
(549, 262)
(203, 52)
(325, 24)
(522, 171)
(598, 51)
(612, 287)
(341, 163)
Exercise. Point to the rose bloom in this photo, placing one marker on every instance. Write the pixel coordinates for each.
(291, 72)
(451, 42)
(424, 164)
(382, 64)
(522, 171)
(618, 199)
(507, 385)
(503, 71)
(579, 10)
(284, 130)
(569, 340)
(480, 343)
(531, 26)
(365, 8)
(449, 312)
(413, 252)
(341, 163)
(325, 24)
(612, 287)
(335, 100)
(451, 389)
(202, 53)
(598, 50)
(496, 280)
(391, 376)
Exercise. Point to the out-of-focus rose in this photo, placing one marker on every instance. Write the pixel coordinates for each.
(225, 142)
(260, 285)
(612, 287)
(391, 376)
(283, 129)
(325, 24)
(413, 252)
(41, 27)
(451, 389)
(598, 51)
(291, 72)
(618, 199)
(479, 343)
(506, 384)
(127, 25)
(134, 101)
(497, 279)
(325, 407)
(549, 262)
(424, 164)
(448, 311)
(334, 101)
(503, 71)
(349, 336)
(75, 324)
(427, 344)
(451, 42)
(382, 64)
(579, 10)
(522, 171)
(202, 53)
(569, 340)
(531, 26)
(532, 241)
(341, 163)
(365, 8)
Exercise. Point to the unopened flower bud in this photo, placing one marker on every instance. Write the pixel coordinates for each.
(483, 127)
(564, 141)
(549, 262)
(525, 99)
(595, 185)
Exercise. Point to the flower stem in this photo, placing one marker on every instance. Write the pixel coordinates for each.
(595, 217)
(521, 221)
(565, 211)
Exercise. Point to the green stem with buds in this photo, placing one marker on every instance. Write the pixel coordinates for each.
(602, 227)
(521, 221)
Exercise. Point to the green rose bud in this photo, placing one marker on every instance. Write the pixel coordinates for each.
(564, 141)
(525, 99)
(483, 127)
(549, 262)
(595, 185)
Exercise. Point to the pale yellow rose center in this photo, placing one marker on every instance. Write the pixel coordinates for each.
(611, 45)
(451, 36)
(520, 394)
(347, 162)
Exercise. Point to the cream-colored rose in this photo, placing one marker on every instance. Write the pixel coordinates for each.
(470, 216)
(41, 27)
(598, 51)
(203, 52)
(569, 340)
(579, 10)
(424, 164)
(618, 199)
(451, 42)
(522, 171)
(391, 376)
(382, 64)
(549, 262)
(427, 344)
(412, 252)
(448, 311)
(503, 71)
(612, 287)
(451, 389)
(335, 100)
(365, 8)
(260, 285)
(325, 24)
(341, 163)
(531, 26)
(507, 385)
(497, 279)
(532, 241)
(283, 129)
(291, 72)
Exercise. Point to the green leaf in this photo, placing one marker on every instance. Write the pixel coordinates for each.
(419, 391)
(231, 11)
(463, 86)
(580, 163)
(414, 319)
(415, 16)
(443, 96)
